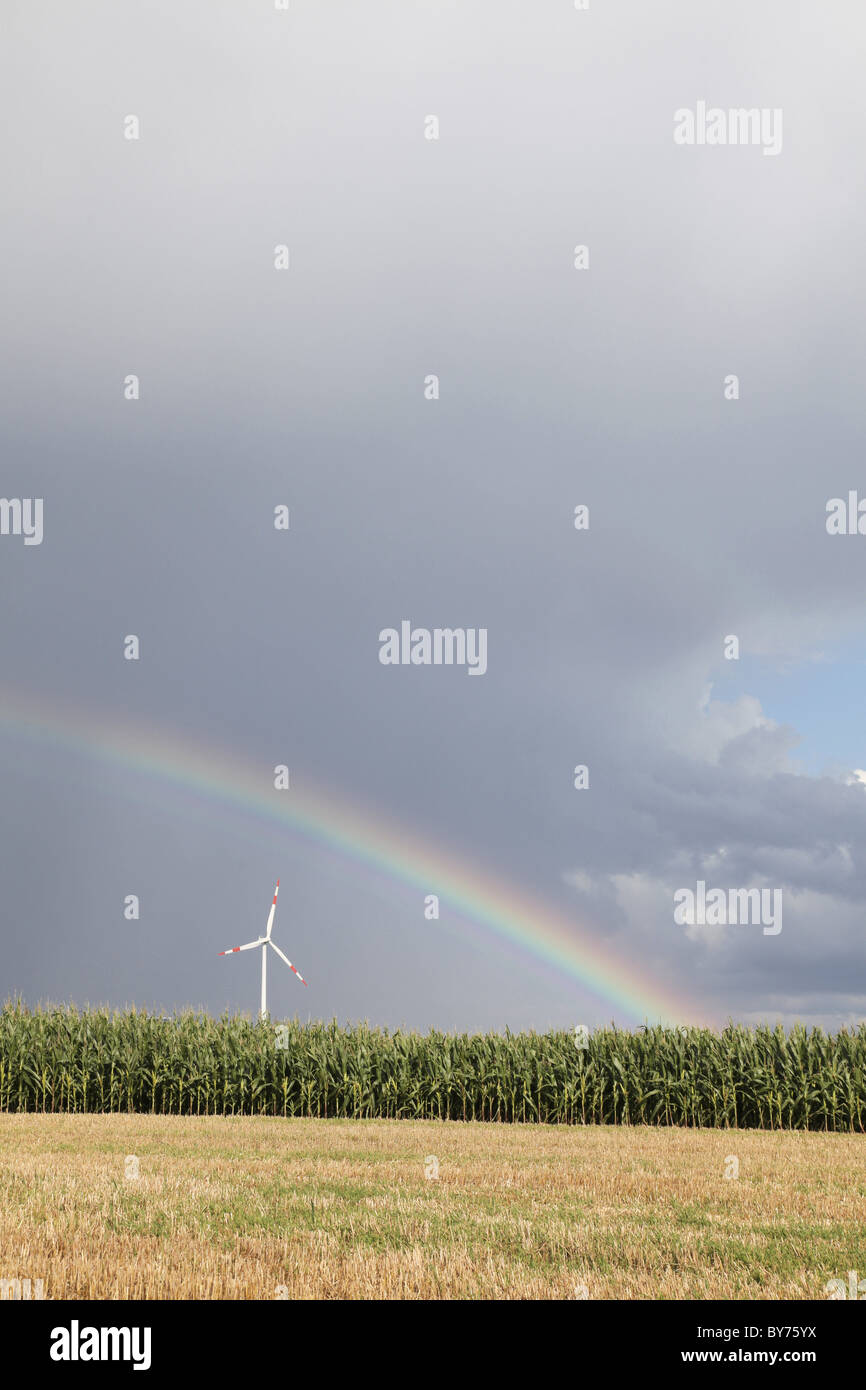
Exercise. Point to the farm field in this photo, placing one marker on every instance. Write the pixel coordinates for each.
(93, 1061)
(160, 1206)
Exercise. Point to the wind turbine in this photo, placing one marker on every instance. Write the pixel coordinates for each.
(265, 941)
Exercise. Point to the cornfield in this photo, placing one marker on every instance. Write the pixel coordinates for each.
(66, 1060)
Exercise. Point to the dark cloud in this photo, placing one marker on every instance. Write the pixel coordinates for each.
(557, 388)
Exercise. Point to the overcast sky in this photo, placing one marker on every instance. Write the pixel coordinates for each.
(557, 387)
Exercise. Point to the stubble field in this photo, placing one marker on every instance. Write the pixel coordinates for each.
(138, 1206)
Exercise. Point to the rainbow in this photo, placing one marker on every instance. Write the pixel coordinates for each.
(500, 909)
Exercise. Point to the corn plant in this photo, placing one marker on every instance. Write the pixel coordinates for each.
(92, 1061)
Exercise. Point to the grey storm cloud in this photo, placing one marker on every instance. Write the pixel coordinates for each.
(557, 388)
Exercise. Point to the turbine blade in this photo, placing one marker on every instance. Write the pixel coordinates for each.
(248, 947)
(288, 962)
(272, 911)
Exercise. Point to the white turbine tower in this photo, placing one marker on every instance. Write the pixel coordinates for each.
(265, 941)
